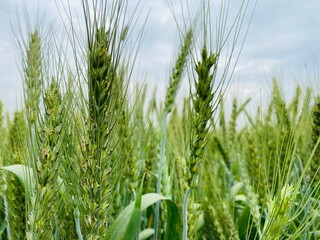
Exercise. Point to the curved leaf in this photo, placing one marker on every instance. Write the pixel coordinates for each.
(25, 176)
(133, 229)
(244, 222)
(174, 227)
(119, 226)
(22, 172)
(145, 234)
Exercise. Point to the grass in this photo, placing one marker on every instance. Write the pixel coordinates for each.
(86, 158)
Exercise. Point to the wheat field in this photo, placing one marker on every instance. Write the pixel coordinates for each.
(88, 157)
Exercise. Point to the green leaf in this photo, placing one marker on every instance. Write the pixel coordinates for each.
(145, 234)
(174, 227)
(3, 225)
(235, 189)
(118, 228)
(22, 172)
(244, 222)
(25, 176)
(133, 229)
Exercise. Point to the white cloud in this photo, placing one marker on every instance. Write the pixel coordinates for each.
(283, 36)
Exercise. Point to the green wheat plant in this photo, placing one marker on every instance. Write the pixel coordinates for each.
(91, 155)
(174, 83)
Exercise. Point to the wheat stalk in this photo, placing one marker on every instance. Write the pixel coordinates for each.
(174, 83)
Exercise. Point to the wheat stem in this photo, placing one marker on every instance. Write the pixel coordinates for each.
(162, 149)
(185, 214)
(76, 214)
(7, 219)
(174, 84)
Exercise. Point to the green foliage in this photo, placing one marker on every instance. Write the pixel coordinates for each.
(133, 229)
(314, 167)
(73, 159)
(119, 227)
(17, 139)
(3, 140)
(16, 180)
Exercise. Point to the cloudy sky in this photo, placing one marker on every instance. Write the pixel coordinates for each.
(283, 41)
